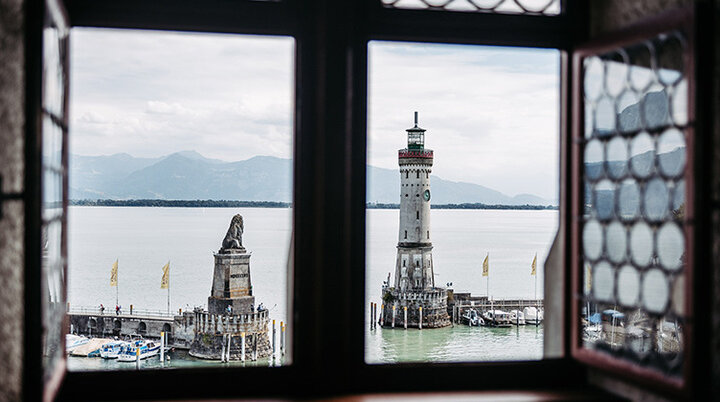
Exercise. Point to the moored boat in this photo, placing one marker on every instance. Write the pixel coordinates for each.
(129, 353)
(517, 317)
(73, 341)
(111, 350)
(533, 316)
(472, 318)
(496, 318)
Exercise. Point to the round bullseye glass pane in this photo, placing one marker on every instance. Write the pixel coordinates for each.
(641, 244)
(679, 103)
(592, 240)
(671, 246)
(628, 286)
(616, 242)
(605, 117)
(603, 282)
(655, 291)
(593, 80)
(594, 160)
(678, 295)
(679, 199)
(616, 74)
(671, 152)
(629, 200)
(628, 110)
(604, 200)
(617, 158)
(656, 200)
(641, 73)
(642, 156)
(670, 60)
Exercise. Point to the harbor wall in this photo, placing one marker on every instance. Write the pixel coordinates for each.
(180, 328)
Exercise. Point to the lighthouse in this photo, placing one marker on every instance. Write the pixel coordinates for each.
(414, 300)
(414, 266)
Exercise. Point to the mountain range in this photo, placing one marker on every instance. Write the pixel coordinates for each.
(189, 175)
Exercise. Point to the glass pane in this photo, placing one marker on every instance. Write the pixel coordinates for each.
(181, 193)
(633, 302)
(479, 194)
(53, 240)
(546, 7)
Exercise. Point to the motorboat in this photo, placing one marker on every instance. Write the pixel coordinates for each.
(73, 341)
(533, 315)
(472, 318)
(497, 318)
(111, 350)
(129, 353)
(517, 317)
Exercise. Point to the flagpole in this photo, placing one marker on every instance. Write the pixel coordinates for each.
(168, 279)
(117, 285)
(536, 279)
(487, 290)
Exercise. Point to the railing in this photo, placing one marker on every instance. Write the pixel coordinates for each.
(407, 153)
(108, 312)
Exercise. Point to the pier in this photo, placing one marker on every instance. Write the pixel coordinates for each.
(146, 323)
(459, 303)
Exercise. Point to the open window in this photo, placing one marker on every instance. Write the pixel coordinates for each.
(626, 192)
(634, 203)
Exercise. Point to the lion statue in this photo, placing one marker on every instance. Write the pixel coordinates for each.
(233, 238)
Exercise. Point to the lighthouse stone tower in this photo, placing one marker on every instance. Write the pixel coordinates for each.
(414, 287)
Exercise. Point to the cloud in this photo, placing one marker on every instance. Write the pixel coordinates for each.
(491, 112)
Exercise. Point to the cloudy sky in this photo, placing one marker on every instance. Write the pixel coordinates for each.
(491, 112)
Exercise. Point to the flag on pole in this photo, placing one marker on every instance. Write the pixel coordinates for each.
(486, 266)
(534, 266)
(165, 282)
(114, 274)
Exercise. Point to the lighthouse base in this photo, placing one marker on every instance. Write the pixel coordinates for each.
(428, 306)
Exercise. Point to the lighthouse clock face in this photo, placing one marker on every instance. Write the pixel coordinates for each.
(426, 195)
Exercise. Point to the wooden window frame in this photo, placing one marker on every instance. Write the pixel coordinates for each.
(697, 219)
(328, 275)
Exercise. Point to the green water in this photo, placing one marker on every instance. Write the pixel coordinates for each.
(454, 344)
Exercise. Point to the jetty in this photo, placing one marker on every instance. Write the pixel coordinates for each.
(459, 303)
(91, 321)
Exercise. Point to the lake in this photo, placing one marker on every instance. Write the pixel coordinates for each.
(143, 240)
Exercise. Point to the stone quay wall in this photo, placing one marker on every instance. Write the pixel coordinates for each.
(433, 303)
(126, 325)
(210, 331)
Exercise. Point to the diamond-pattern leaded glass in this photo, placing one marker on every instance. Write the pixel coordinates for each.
(633, 226)
(533, 7)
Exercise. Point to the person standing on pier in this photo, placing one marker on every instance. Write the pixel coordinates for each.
(102, 309)
(117, 310)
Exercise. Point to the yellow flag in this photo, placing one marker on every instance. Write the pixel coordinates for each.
(113, 274)
(486, 266)
(165, 282)
(534, 266)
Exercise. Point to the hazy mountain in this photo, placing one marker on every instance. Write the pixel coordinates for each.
(188, 175)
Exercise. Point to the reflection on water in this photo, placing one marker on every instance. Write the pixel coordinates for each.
(460, 343)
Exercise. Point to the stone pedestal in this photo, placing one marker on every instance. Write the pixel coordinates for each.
(231, 284)
(211, 330)
(433, 302)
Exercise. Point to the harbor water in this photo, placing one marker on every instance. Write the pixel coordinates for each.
(143, 240)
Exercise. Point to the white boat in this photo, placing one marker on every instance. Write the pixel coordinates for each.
(147, 349)
(472, 318)
(73, 341)
(497, 318)
(111, 350)
(533, 316)
(517, 317)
